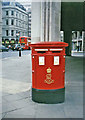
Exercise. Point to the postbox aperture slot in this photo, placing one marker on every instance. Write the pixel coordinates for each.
(41, 52)
(56, 51)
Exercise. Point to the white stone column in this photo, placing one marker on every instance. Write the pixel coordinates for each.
(50, 23)
(42, 20)
(1, 56)
(83, 40)
(36, 22)
(45, 21)
(0, 21)
(77, 37)
(46, 34)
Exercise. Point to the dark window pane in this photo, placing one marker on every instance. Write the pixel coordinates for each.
(6, 32)
(12, 22)
(12, 12)
(12, 32)
(6, 12)
(6, 22)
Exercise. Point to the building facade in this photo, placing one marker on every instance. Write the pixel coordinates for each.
(29, 20)
(15, 22)
(77, 41)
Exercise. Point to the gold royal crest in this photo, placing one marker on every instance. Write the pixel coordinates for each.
(49, 70)
(48, 77)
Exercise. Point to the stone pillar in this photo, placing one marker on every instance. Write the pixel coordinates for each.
(68, 39)
(84, 42)
(1, 56)
(77, 37)
(83, 39)
(0, 21)
(36, 22)
(45, 21)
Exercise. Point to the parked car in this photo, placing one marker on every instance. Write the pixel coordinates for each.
(20, 47)
(9, 46)
(16, 47)
(3, 48)
(13, 47)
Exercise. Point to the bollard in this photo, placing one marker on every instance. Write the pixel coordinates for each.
(19, 52)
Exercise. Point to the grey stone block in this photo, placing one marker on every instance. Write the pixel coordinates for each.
(50, 111)
(27, 112)
(72, 111)
(12, 97)
(7, 107)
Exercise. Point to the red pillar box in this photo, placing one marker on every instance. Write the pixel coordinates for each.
(48, 72)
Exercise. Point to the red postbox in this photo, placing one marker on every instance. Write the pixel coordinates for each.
(48, 72)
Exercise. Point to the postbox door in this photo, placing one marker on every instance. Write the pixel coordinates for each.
(49, 72)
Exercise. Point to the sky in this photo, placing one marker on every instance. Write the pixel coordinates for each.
(23, 1)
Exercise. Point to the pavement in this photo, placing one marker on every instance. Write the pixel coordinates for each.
(16, 91)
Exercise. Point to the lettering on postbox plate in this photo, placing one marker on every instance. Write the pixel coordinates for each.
(41, 60)
(48, 77)
(56, 60)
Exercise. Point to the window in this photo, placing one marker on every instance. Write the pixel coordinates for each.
(12, 12)
(23, 24)
(7, 22)
(29, 34)
(16, 14)
(23, 33)
(6, 32)
(16, 22)
(26, 17)
(75, 35)
(23, 16)
(29, 29)
(7, 13)
(19, 15)
(12, 32)
(80, 35)
(19, 23)
(12, 22)
(29, 20)
(16, 31)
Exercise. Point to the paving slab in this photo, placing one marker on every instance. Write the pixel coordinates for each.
(14, 97)
(28, 111)
(17, 92)
(8, 107)
(72, 111)
(50, 111)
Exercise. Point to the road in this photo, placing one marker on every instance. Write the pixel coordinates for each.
(11, 53)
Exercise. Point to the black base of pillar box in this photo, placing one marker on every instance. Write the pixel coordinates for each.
(48, 96)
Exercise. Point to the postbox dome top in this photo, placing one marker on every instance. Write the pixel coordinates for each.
(49, 44)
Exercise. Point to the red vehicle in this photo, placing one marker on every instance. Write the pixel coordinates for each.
(24, 42)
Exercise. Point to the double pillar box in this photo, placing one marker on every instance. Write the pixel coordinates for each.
(48, 72)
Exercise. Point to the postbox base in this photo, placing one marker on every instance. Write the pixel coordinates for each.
(48, 96)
